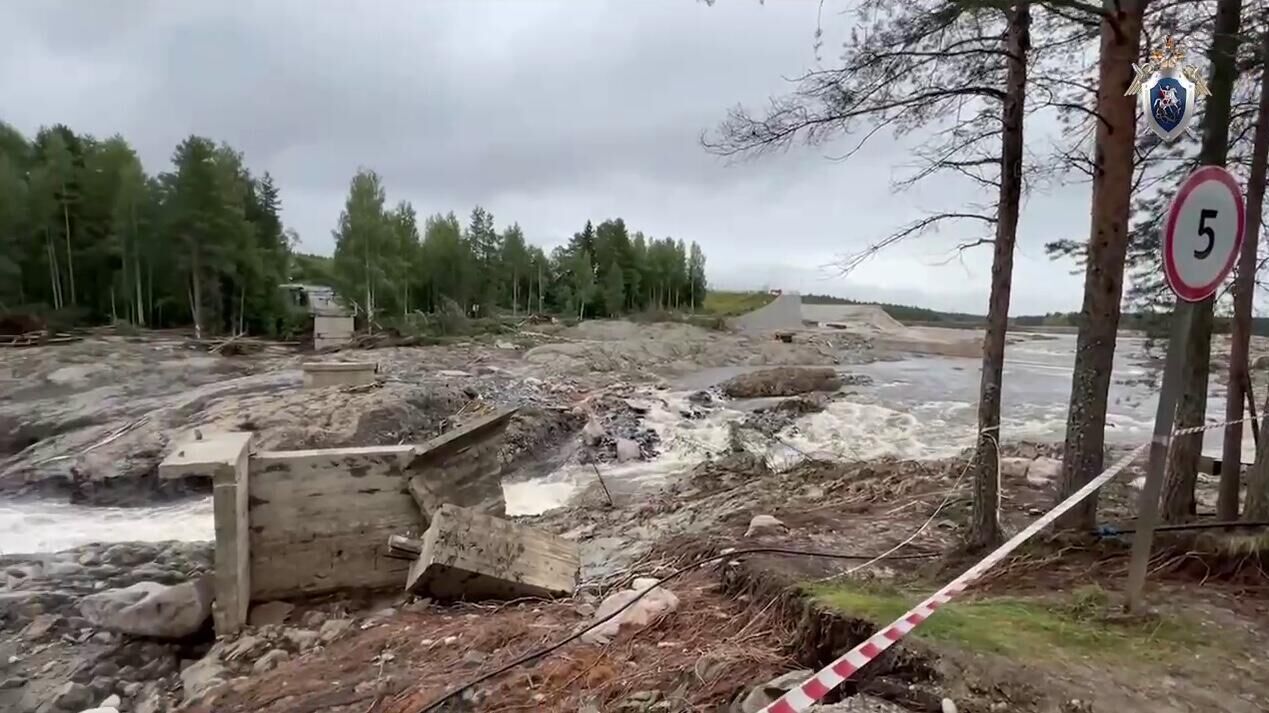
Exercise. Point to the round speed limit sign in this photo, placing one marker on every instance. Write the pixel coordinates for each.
(1203, 233)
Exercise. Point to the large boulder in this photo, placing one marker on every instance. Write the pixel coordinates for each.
(782, 381)
(152, 609)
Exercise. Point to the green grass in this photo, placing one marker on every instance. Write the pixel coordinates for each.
(1074, 627)
(732, 304)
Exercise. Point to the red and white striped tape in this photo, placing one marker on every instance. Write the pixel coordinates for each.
(814, 689)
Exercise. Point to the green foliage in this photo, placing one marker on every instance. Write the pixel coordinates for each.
(732, 304)
(614, 290)
(85, 231)
(1035, 630)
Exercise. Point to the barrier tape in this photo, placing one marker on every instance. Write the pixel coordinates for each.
(815, 688)
(831, 676)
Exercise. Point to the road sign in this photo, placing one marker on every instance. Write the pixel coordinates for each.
(1203, 233)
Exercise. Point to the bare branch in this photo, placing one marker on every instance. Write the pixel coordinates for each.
(848, 263)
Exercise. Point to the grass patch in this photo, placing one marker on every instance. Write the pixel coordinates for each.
(732, 304)
(1077, 626)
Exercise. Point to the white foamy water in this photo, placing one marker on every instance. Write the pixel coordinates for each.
(48, 526)
(684, 443)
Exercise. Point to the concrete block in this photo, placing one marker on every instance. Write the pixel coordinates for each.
(204, 458)
(339, 373)
(467, 555)
(319, 519)
(331, 330)
(225, 458)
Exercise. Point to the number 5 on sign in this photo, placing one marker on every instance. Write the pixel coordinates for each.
(1203, 233)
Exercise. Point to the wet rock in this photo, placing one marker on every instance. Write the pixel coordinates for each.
(40, 626)
(1014, 467)
(313, 618)
(270, 613)
(301, 639)
(269, 661)
(764, 695)
(762, 525)
(1043, 470)
(200, 678)
(627, 450)
(111, 701)
(152, 609)
(102, 686)
(782, 381)
(105, 668)
(1261, 362)
(803, 404)
(71, 696)
(702, 398)
(592, 432)
(26, 605)
(645, 609)
(245, 647)
(332, 629)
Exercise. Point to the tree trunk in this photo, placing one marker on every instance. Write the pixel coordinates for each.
(1258, 479)
(1104, 267)
(54, 274)
(1244, 293)
(196, 296)
(515, 293)
(70, 258)
(1183, 458)
(985, 525)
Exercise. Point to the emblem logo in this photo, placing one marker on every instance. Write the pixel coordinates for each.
(1169, 91)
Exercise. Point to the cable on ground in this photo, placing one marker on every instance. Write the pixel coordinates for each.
(546, 651)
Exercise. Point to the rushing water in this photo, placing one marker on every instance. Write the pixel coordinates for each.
(917, 407)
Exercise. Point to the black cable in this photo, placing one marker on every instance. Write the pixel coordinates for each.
(533, 656)
(1112, 531)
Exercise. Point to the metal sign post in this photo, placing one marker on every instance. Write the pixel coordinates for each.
(1202, 235)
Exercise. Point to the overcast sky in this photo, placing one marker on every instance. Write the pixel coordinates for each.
(546, 113)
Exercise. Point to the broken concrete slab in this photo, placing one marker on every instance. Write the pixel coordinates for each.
(468, 555)
(461, 468)
(339, 373)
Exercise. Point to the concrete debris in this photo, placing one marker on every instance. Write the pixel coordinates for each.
(948, 705)
(469, 555)
(111, 701)
(351, 373)
(270, 613)
(462, 467)
(766, 694)
(762, 525)
(658, 602)
(151, 609)
(782, 381)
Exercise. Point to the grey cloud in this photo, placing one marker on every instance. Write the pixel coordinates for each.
(548, 113)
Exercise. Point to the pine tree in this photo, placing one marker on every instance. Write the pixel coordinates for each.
(614, 290)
